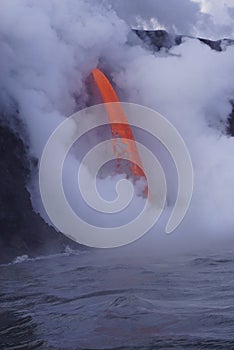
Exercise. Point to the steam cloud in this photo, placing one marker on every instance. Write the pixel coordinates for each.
(48, 49)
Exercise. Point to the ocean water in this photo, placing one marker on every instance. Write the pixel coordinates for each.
(91, 300)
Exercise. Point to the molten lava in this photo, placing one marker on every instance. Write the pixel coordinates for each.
(123, 139)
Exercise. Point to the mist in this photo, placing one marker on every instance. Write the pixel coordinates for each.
(48, 50)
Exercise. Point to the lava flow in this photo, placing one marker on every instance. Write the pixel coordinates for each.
(124, 145)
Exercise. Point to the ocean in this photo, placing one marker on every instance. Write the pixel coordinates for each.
(93, 300)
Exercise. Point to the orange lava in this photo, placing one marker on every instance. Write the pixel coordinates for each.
(120, 131)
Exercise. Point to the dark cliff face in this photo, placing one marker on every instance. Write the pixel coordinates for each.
(22, 231)
(230, 127)
(158, 39)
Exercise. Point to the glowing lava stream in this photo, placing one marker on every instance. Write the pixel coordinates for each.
(120, 132)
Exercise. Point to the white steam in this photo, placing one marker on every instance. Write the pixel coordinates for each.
(212, 18)
(48, 49)
(173, 15)
(221, 20)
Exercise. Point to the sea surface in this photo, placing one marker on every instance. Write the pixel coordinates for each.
(87, 300)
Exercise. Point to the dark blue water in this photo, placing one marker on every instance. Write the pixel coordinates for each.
(90, 301)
